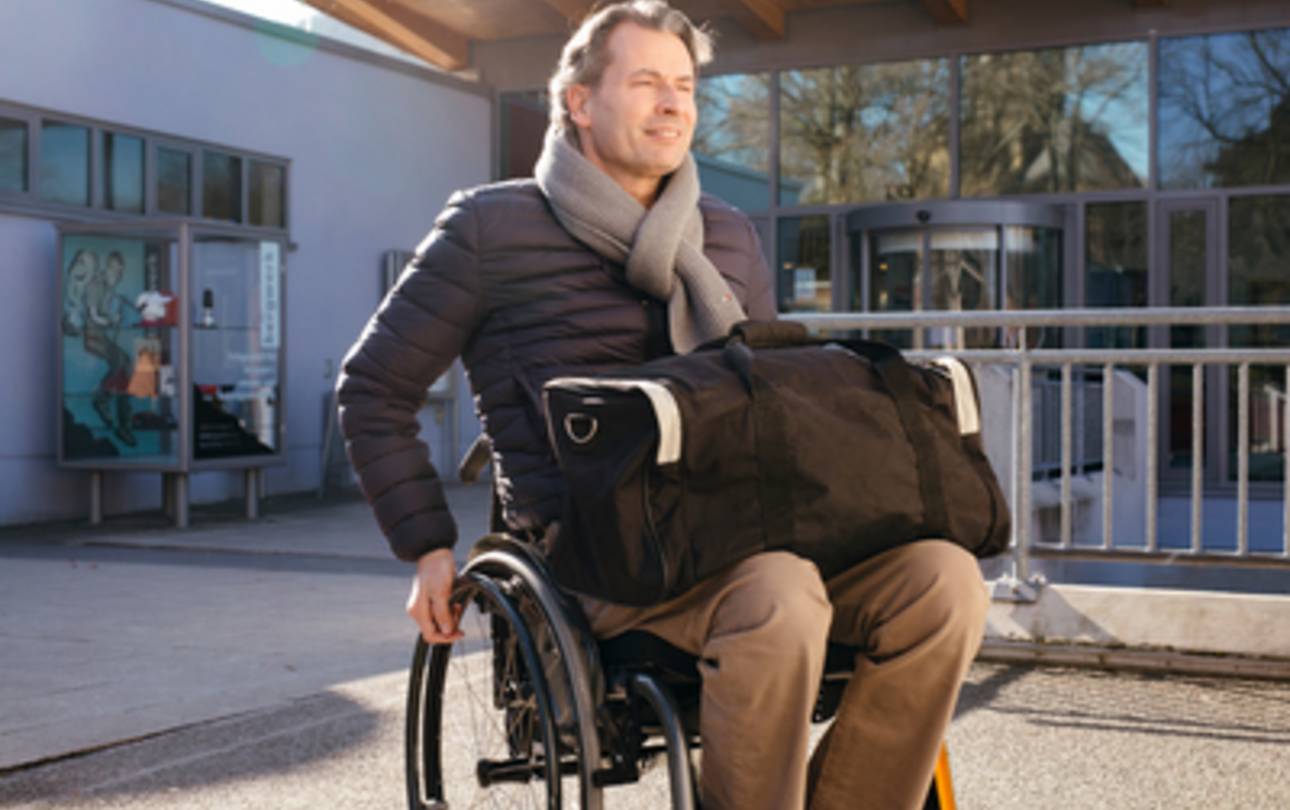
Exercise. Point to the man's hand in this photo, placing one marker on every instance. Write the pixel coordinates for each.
(428, 603)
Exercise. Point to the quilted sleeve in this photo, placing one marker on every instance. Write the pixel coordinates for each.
(420, 328)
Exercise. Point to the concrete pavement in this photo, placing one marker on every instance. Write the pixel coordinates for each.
(261, 664)
(117, 631)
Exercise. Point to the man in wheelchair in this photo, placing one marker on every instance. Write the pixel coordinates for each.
(611, 257)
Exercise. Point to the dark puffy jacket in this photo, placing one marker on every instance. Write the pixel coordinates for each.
(499, 282)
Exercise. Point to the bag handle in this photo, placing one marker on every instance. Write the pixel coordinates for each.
(775, 486)
(771, 334)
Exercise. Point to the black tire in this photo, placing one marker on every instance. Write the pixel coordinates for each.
(551, 618)
(479, 724)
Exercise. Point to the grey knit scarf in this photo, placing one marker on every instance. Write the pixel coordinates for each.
(662, 247)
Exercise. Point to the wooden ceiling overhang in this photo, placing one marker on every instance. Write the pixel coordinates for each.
(441, 31)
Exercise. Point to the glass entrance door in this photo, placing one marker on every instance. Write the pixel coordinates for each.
(1189, 259)
(1258, 228)
(953, 269)
(962, 276)
(896, 279)
(963, 255)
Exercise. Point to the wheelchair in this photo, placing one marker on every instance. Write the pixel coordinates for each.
(529, 710)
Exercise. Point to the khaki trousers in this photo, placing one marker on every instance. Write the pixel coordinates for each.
(760, 630)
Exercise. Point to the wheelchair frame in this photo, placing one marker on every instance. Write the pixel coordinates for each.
(597, 714)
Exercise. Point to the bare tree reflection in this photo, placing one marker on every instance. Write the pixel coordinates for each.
(1067, 119)
(1225, 109)
(873, 132)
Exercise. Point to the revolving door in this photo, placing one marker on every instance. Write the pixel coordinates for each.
(960, 255)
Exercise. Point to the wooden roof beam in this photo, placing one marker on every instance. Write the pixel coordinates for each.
(764, 19)
(1150, 3)
(572, 10)
(947, 12)
(403, 28)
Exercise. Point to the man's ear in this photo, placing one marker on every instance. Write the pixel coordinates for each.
(576, 99)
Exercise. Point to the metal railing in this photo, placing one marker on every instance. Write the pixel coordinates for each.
(1101, 372)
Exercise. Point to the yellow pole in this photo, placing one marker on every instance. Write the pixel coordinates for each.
(944, 782)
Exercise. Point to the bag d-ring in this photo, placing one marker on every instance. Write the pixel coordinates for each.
(580, 428)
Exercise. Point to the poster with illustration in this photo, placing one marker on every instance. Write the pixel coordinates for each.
(118, 321)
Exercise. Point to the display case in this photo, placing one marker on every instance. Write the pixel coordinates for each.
(171, 353)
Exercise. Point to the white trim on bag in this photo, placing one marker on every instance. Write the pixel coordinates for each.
(666, 412)
(965, 405)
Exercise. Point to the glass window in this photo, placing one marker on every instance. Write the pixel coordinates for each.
(221, 186)
(174, 181)
(523, 122)
(732, 139)
(1258, 244)
(1115, 267)
(897, 271)
(1225, 110)
(65, 163)
(874, 132)
(804, 276)
(896, 277)
(1062, 119)
(1035, 277)
(963, 265)
(123, 172)
(13, 155)
(268, 194)
(236, 311)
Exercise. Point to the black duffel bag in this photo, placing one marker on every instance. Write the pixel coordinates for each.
(835, 450)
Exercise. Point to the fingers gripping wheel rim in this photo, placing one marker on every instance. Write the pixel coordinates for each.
(462, 751)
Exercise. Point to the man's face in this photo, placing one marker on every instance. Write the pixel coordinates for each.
(637, 123)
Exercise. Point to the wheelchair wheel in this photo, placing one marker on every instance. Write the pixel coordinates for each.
(480, 730)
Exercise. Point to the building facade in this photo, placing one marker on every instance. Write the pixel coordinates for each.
(1035, 155)
(138, 111)
(1038, 156)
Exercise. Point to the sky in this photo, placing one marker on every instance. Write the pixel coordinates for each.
(299, 15)
(287, 12)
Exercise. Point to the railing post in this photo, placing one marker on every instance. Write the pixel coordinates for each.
(1197, 453)
(1243, 459)
(1067, 429)
(1108, 454)
(1018, 585)
(1153, 454)
(1285, 470)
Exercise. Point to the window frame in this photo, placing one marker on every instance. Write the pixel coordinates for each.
(30, 202)
(152, 207)
(100, 135)
(286, 184)
(32, 121)
(93, 192)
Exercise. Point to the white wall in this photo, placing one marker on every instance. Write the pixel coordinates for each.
(375, 151)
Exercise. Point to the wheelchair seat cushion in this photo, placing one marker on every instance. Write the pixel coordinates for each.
(642, 650)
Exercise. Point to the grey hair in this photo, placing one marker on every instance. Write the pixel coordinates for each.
(586, 55)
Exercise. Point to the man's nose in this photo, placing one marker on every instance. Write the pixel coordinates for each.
(669, 101)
